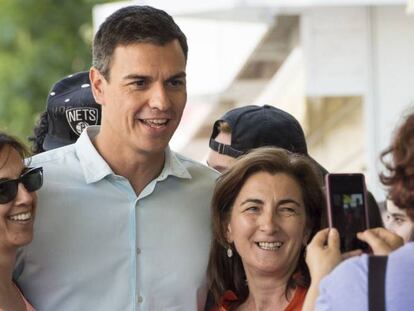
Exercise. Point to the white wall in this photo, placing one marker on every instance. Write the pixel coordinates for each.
(334, 43)
(393, 73)
(368, 52)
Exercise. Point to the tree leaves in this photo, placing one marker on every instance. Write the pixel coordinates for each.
(41, 41)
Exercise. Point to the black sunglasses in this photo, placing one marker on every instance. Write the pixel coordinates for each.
(31, 178)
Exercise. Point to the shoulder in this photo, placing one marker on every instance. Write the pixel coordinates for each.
(197, 169)
(404, 253)
(351, 291)
(52, 156)
(356, 265)
(351, 271)
(400, 282)
(58, 164)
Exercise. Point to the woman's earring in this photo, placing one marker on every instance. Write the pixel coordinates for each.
(229, 252)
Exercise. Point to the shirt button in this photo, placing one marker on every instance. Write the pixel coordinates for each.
(138, 251)
(140, 299)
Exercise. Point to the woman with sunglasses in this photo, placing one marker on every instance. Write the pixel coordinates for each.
(18, 185)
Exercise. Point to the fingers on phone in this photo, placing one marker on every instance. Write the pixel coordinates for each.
(321, 238)
(333, 238)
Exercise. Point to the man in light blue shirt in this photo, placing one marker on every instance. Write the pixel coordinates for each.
(123, 222)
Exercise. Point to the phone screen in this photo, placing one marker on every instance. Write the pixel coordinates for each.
(347, 208)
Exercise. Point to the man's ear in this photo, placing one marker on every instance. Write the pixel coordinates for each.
(98, 83)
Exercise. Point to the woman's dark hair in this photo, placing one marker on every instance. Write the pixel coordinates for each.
(228, 273)
(7, 140)
(39, 133)
(400, 176)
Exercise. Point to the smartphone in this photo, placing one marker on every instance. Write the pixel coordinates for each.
(347, 208)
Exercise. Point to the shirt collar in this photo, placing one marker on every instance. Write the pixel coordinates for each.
(95, 167)
(173, 166)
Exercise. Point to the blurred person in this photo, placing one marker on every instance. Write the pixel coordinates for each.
(397, 220)
(346, 287)
(265, 208)
(125, 219)
(242, 129)
(18, 186)
(383, 210)
(70, 109)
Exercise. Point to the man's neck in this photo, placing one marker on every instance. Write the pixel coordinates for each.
(138, 167)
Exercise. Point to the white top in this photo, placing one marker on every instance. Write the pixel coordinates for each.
(97, 246)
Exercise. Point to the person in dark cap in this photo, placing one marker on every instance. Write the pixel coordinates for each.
(70, 108)
(242, 129)
(245, 128)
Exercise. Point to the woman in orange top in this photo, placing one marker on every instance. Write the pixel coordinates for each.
(264, 211)
(18, 184)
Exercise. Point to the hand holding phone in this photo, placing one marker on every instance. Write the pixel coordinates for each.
(381, 240)
(347, 208)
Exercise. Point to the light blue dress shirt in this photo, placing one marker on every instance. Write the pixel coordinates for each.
(97, 246)
(346, 287)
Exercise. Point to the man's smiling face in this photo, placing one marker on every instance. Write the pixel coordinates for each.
(144, 96)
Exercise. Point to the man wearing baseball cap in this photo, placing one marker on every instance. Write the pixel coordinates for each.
(70, 108)
(242, 129)
(245, 128)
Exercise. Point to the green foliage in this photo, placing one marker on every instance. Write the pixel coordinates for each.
(40, 42)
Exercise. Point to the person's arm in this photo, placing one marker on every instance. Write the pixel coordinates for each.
(322, 255)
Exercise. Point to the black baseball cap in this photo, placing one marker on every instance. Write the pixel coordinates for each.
(258, 126)
(70, 108)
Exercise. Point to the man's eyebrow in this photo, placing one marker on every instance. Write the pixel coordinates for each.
(179, 75)
(135, 77)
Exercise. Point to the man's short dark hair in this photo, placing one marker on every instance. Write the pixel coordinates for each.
(134, 24)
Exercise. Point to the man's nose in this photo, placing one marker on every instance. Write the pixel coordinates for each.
(159, 97)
